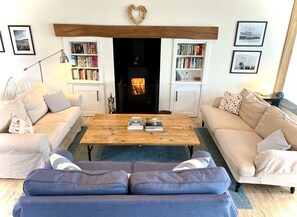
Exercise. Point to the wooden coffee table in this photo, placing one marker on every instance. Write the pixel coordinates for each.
(111, 129)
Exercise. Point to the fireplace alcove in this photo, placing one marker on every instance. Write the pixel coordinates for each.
(137, 74)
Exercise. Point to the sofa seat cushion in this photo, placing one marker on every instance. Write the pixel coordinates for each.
(106, 165)
(196, 181)
(274, 119)
(47, 182)
(56, 132)
(239, 149)
(219, 119)
(68, 116)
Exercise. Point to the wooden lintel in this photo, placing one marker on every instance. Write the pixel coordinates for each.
(192, 32)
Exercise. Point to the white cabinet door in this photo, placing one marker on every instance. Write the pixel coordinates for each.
(93, 98)
(185, 100)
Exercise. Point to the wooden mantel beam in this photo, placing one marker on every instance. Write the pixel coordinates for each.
(192, 32)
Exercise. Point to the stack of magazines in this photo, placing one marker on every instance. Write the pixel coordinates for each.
(135, 123)
(153, 124)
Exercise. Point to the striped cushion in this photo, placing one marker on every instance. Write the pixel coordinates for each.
(275, 140)
(193, 164)
(59, 162)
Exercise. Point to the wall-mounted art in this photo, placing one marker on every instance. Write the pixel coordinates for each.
(250, 33)
(21, 39)
(245, 62)
(1, 44)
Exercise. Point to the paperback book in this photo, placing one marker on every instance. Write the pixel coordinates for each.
(153, 124)
(135, 123)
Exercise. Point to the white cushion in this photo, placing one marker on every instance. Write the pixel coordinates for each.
(275, 140)
(57, 102)
(59, 162)
(34, 102)
(194, 163)
(18, 125)
(231, 102)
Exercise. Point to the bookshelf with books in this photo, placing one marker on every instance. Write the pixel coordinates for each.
(189, 70)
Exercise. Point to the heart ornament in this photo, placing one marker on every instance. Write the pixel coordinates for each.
(139, 11)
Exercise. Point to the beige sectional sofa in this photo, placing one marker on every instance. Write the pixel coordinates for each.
(55, 129)
(237, 138)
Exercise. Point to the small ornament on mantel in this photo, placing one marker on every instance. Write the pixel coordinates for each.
(141, 10)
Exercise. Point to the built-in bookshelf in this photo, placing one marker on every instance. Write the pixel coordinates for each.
(188, 61)
(84, 61)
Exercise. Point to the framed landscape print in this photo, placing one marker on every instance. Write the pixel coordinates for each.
(245, 62)
(250, 33)
(1, 44)
(21, 39)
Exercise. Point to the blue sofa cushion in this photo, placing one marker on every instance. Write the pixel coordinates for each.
(196, 181)
(46, 182)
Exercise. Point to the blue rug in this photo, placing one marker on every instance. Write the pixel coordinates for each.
(158, 154)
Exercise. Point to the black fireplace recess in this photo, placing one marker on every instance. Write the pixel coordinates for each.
(137, 74)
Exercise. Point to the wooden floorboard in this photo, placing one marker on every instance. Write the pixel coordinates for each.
(267, 201)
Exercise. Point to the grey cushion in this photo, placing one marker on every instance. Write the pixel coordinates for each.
(196, 181)
(45, 182)
(57, 102)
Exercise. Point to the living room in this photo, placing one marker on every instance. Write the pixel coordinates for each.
(41, 16)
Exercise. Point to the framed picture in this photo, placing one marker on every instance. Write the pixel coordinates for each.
(1, 44)
(21, 39)
(250, 33)
(245, 62)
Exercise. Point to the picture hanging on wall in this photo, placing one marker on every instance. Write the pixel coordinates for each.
(1, 44)
(21, 39)
(245, 62)
(250, 33)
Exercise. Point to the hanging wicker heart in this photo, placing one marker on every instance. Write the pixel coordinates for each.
(141, 13)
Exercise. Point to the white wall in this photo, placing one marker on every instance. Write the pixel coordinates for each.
(40, 15)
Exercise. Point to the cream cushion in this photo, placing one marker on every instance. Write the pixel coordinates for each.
(34, 102)
(231, 102)
(274, 119)
(252, 108)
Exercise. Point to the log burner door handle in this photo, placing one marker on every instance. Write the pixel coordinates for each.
(98, 96)
(176, 96)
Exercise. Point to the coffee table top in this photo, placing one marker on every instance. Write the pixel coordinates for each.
(111, 129)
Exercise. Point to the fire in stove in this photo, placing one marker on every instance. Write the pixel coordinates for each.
(138, 86)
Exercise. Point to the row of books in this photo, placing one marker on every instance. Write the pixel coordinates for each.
(190, 49)
(151, 124)
(81, 61)
(84, 48)
(85, 74)
(189, 63)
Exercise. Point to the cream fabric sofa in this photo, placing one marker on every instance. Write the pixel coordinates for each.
(21, 153)
(237, 136)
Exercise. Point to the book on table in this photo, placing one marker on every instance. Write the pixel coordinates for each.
(135, 123)
(153, 124)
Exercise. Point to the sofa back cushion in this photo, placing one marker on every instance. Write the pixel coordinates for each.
(196, 181)
(34, 102)
(252, 108)
(274, 119)
(46, 182)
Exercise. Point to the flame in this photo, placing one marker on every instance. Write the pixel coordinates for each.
(138, 86)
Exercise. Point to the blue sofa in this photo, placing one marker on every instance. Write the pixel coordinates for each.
(106, 189)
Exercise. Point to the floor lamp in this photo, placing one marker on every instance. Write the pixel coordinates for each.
(63, 59)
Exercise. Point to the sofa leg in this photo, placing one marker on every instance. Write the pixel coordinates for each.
(203, 123)
(237, 186)
(292, 189)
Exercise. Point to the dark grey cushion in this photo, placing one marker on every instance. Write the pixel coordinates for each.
(196, 181)
(55, 182)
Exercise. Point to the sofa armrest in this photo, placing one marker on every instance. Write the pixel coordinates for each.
(74, 99)
(276, 162)
(217, 101)
(26, 143)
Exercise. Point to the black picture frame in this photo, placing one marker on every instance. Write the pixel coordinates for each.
(245, 62)
(2, 49)
(21, 39)
(250, 33)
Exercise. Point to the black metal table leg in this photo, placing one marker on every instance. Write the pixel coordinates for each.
(90, 147)
(191, 150)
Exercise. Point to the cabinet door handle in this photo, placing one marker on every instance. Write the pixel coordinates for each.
(176, 96)
(98, 96)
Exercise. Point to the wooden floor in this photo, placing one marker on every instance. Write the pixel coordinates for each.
(268, 201)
